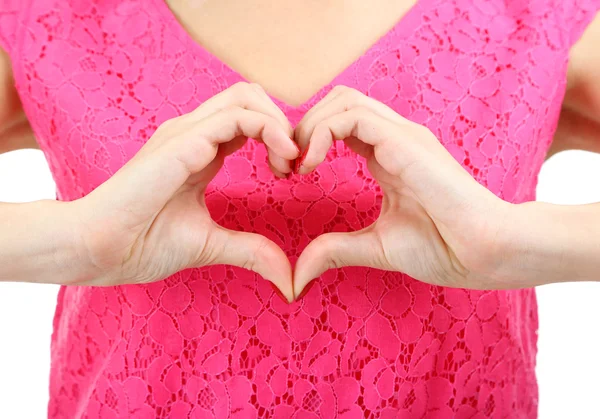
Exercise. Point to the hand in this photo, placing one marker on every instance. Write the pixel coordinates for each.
(150, 219)
(437, 224)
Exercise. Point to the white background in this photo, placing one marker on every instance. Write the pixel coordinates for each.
(569, 336)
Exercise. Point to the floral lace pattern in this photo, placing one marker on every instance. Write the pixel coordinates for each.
(487, 77)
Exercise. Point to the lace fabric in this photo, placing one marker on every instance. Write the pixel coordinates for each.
(487, 77)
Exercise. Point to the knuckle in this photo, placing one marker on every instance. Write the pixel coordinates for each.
(169, 124)
(422, 130)
(204, 146)
(340, 89)
(239, 86)
(231, 110)
(360, 116)
(352, 95)
(336, 91)
(321, 128)
(257, 87)
(349, 94)
(360, 111)
(327, 244)
(242, 91)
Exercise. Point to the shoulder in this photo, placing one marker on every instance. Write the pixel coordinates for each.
(584, 53)
(583, 89)
(7, 89)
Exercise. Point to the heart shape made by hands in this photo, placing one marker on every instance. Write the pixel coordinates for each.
(431, 208)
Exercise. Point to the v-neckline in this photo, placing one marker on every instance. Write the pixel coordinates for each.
(169, 18)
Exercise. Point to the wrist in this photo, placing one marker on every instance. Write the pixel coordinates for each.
(70, 256)
(93, 241)
(39, 244)
(545, 243)
(81, 259)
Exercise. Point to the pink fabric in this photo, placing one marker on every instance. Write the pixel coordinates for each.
(97, 77)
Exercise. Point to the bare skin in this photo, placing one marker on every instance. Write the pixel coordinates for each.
(15, 131)
(293, 65)
(290, 48)
(579, 126)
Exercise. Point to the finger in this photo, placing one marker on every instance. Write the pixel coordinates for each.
(180, 149)
(252, 96)
(395, 146)
(359, 147)
(299, 135)
(254, 252)
(337, 250)
(205, 176)
(233, 122)
(277, 112)
(233, 146)
(409, 152)
(340, 99)
(359, 124)
(276, 172)
(249, 96)
(279, 165)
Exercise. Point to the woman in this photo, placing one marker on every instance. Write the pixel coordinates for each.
(444, 110)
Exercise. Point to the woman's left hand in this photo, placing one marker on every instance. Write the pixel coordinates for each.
(437, 224)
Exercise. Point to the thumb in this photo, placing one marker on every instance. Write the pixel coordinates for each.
(336, 250)
(254, 252)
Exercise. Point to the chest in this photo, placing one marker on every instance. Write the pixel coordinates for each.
(291, 48)
(475, 72)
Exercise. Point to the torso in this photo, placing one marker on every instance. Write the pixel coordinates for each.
(217, 342)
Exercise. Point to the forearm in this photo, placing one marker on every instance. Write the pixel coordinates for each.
(38, 243)
(545, 243)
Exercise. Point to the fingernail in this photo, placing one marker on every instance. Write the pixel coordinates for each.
(297, 146)
(300, 160)
(278, 292)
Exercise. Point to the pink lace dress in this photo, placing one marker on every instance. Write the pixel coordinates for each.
(97, 77)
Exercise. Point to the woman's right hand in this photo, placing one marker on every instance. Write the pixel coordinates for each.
(150, 220)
